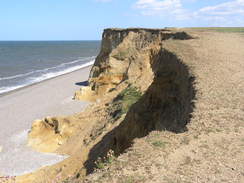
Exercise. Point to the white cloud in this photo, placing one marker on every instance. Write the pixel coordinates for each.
(161, 8)
(227, 8)
(223, 12)
(158, 4)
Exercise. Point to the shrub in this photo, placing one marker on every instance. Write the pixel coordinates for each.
(122, 103)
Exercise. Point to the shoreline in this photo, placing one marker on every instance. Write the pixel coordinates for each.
(23, 87)
(21, 107)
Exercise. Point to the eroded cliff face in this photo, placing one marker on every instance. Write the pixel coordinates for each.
(141, 87)
(125, 56)
(166, 84)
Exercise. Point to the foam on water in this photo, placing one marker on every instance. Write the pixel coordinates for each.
(45, 74)
(43, 70)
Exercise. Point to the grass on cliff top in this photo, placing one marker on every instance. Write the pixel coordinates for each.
(221, 29)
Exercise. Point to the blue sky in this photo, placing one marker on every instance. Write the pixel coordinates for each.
(85, 19)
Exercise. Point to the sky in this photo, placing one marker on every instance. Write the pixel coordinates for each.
(86, 19)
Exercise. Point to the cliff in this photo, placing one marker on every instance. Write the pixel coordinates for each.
(152, 111)
(128, 58)
(122, 58)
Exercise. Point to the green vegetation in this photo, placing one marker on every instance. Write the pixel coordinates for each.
(231, 29)
(129, 179)
(128, 97)
(222, 29)
(102, 162)
(159, 144)
(122, 103)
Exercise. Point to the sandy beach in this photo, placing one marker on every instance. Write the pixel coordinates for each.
(20, 108)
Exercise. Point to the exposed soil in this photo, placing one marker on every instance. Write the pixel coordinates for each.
(211, 150)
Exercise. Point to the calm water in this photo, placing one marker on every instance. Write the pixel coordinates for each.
(26, 62)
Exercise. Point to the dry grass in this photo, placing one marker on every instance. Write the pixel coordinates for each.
(221, 29)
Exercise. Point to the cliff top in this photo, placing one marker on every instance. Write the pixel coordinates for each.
(135, 29)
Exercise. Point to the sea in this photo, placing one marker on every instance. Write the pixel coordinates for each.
(23, 63)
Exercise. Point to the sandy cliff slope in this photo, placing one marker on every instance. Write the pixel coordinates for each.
(169, 107)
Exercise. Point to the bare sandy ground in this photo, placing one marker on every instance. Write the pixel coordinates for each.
(20, 108)
(212, 150)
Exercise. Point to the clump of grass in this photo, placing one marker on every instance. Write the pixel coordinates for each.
(230, 29)
(128, 97)
(222, 29)
(128, 179)
(123, 102)
(159, 144)
(101, 163)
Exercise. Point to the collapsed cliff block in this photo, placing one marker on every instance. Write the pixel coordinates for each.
(85, 93)
(124, 56)
(48, 134)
